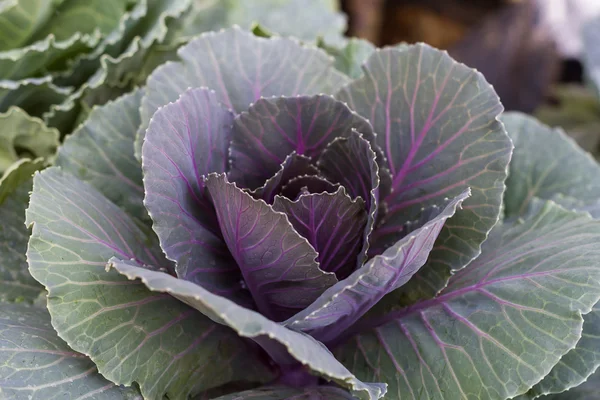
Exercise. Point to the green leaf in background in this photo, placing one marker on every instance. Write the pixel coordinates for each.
(37, 365)
(350, 57)
(33, 95)
(285, 346)
(100, 152)
(48, 54)
(21, 19)
(576, 110)
(502, 323)
(545, 163)
(129, 332)
(589, 390)
(22, 136)
(16, 284)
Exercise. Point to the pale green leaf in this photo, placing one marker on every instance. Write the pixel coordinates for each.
(100, 152)
(37, 365)
(34, 95)
(22, 136)
(546, 163)
(21, 19)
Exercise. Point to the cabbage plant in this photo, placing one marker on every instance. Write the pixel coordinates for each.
(295, 233)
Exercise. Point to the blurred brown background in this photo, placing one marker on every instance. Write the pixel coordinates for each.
(504, 39)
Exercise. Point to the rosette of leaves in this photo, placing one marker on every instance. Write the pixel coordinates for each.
(294, 233)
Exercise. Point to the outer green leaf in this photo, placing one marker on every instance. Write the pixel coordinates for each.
(37, 365)
(575, 367)
(343, 304)
(284, 345)
(350, 58)
(16, 284)
(22, 136)
(502, 323)
(240, 68)
(590, 390)
(34, 95)
(546, 163)
(437, 124)
(20, 19)
(45, 55)
(282, 393)
(100, 152)
(129, 332)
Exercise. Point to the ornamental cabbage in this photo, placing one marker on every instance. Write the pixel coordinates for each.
(295, 233)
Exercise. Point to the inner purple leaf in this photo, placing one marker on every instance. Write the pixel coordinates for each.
(333, 223)
(273, 128)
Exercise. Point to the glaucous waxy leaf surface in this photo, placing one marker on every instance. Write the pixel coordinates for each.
(22, 136)
(342, 305)
(436, 122)
(546, 163)
(283, 393)
(332, 223)
(241, 68)
(293, 166)
(123, 327)
(100, 152)
(285, 346)
(351, 162)
(37, 365)
(185, 141)
(16, 284)
(279, 266)
(502, 323)
(263, 136)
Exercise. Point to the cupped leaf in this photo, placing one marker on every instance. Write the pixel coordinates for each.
(186, 141)
(350, 161)
(34, 95)
(437, 125)
(293, 166)
(343, 304)
(16, 284)
(49, 54)
(332, 223)
(100, 152)
(129, 332)
(307, 184)
(502, 323)
(284, 345)
(22, 136)
(284, 392)
(546, 163)
(272, 128)
(241, 68)
(279, 266)
(37, 365)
